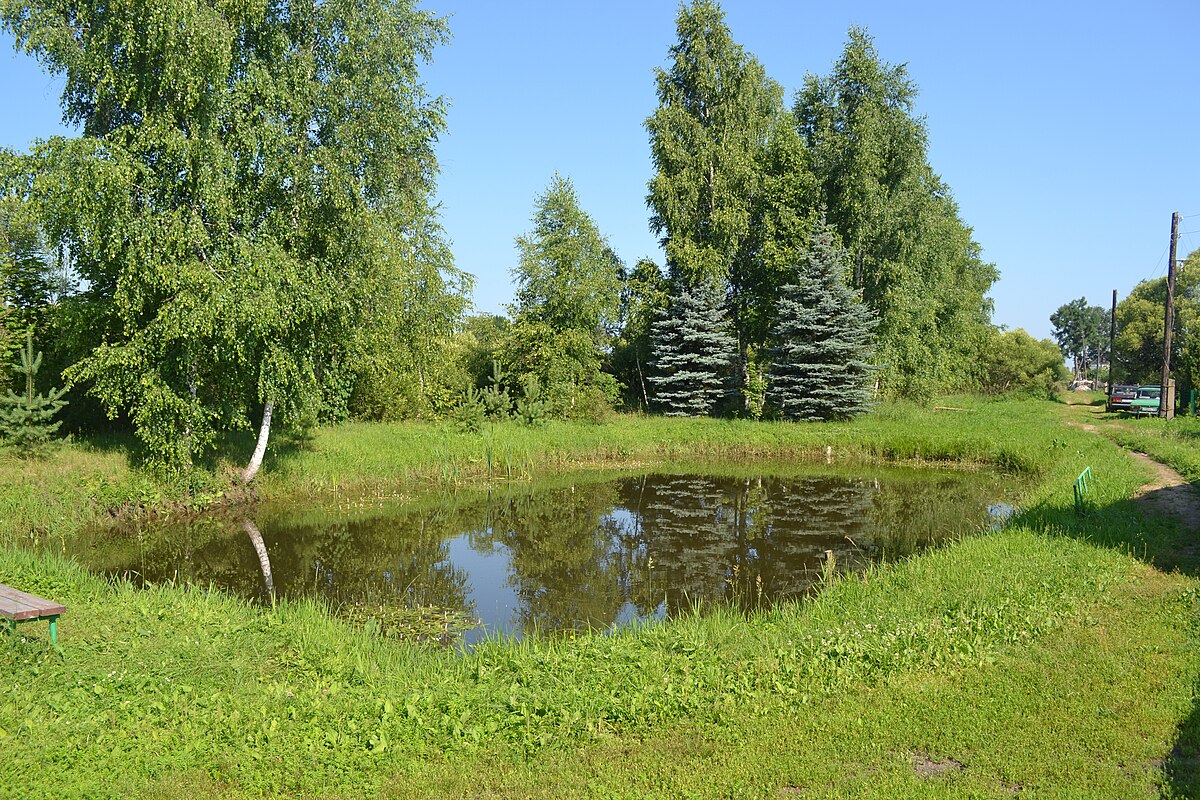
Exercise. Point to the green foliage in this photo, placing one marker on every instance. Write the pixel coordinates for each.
(732, 184)
(250, 195)
(568, 302)
(1138, 349)
(1081, 331)
(27, 420)
(716, 105)
(497, 404)
(1016, 362)
(915, 261)
(482, 342)
(531, 409)
(692, 353)
(471, 412)
(821, 340)
(643, 295)
(568, 276)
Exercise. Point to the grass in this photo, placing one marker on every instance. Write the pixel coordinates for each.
(1049, 659)
(89, 481)
(1171, 442)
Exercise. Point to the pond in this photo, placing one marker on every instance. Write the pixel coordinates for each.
(573, 554)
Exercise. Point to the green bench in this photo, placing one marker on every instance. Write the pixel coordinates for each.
(17, 606)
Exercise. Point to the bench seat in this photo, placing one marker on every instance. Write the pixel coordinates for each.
(17, 606)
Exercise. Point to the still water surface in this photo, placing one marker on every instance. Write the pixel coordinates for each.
(588, 554)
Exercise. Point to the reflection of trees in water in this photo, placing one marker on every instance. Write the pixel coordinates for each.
(744, 538)
(400, 559)
(577, 555)
(913, 514)
(567, 560)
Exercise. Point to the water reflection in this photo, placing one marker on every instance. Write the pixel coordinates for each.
(264, 560)
(588, 555)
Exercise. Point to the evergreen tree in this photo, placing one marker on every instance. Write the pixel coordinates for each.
(693, 353)
(717, 138)
(911, 256)
(26, 419)
(822, 339)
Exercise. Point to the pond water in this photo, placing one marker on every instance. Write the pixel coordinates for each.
(577, 554)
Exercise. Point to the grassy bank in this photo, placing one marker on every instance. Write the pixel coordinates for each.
(1048, 659)
(89, 481)
(1172, 442)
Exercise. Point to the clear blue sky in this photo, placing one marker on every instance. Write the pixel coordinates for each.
(1067, 130)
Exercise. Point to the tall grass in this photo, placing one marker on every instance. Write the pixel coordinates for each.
(87, 482)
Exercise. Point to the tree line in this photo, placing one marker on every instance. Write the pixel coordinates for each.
(1082, 332)
(245, 232)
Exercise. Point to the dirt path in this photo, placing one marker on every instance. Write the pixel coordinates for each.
(1168, 495)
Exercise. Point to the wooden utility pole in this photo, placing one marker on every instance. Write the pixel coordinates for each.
(1166, 406)
(1112, 337)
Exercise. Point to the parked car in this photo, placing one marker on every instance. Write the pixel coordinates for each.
(1147, 401)
(1121, 397)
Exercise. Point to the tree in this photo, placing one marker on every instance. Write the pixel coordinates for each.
(1079, 330)
(1016, 362)
(1138, 349)
(27, 419)
(717, 116)
(567, 304)
(693, 353)
(911, 255)
(821, 340)
(643, 298)
(250, 185)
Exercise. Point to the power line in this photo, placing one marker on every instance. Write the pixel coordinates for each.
(1158, 268)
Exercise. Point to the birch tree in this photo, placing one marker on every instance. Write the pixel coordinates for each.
(711, 142)
(250, 181)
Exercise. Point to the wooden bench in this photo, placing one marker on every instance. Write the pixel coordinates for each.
(17, 606)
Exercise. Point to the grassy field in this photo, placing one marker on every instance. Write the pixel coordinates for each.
(1048, 660)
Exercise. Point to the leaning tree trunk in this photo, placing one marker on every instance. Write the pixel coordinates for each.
(264, 561)
(264, 432)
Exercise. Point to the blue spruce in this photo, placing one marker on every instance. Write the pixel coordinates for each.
(821, 340)
(693, 353)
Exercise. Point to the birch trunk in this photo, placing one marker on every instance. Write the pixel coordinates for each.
(264, 561)
(260, 449)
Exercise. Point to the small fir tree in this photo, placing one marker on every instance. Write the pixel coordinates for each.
(821, 340)
(26, 420)
(692, 353)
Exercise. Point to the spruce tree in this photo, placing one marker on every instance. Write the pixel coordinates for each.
(693, 353)
(26, 419)
(821, 340)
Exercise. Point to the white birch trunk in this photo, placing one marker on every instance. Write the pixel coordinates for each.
(264, 562)
(260, 449)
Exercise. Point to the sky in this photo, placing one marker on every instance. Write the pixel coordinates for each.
(1066, 130)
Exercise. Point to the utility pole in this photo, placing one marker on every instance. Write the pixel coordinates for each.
(1166, 405)
(1112, 337)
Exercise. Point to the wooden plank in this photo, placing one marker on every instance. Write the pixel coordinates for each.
(20, 606)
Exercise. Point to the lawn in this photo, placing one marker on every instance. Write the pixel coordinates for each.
(1051, 659)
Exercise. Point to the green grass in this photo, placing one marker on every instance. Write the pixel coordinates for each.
(1175, 442)
(89, 481)
(1048, 659)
